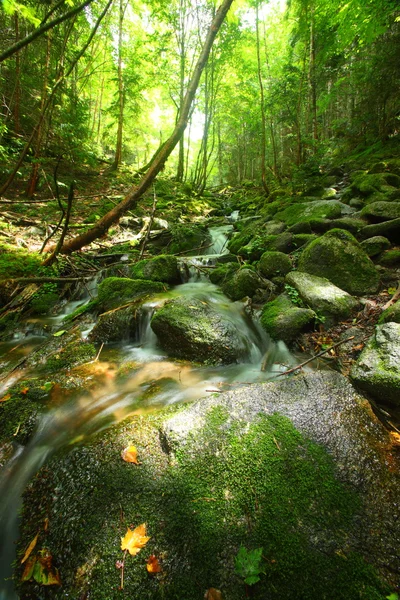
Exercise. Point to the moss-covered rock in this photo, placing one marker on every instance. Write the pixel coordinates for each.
(116, 291)
(20, 408)
(389, 229)
(391, 314)
(243, 282)
(272, 264)
(368, 184)
(283, 320)
(161, 268)
(223, 272)
(306, 211)
(389, 258)
(233, 467)
(194, 329)
(375, 245)
(377, 371)
(69, 356)
(377, 212)
(340, 258)
(326, 299)
(188, 236)
(116, 325)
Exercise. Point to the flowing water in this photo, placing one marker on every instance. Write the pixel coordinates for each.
(155, 381)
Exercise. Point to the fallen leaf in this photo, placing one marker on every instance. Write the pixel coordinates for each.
(25, 390)
(5, 398)
(41, 569)
(30, 548)
(153, 566)
(212, 594)
(394, 438)
(129, 454)
(135, 539)
(58, 333)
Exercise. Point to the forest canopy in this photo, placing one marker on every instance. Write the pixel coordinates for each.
(285, 84)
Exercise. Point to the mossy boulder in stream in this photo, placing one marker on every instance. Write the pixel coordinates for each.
(377, 371)
(297, 468)
(340, 258)
(116, 291)
(272, 264)
(244, 282)
(161, 268)
(283, 320)
(194, 329)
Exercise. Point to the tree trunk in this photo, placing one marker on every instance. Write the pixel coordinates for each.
(137, 191)
(121, 91)
(262, 109)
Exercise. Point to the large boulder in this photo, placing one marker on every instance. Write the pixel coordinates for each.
(283, 320)
(116, 291)
(340, 258)
(161, 268)
(325, 298)
(194, 329)
(377, 371)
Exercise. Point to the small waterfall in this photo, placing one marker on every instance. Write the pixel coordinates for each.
(219, 239)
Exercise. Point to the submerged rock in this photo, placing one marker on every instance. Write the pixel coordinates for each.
(283, 320)
(340, 258)
(377, 371)
(325, 298)
(194, 329)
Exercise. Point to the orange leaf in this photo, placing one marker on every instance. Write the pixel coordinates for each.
(25, 390)
(212, 594)
(129, 454)
(30, 548)
(153, 566)
(6, 397)
(134, 540)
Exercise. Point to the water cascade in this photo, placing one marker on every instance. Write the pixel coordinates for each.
(158, 380)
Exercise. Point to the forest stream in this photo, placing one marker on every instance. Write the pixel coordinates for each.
(158, 381)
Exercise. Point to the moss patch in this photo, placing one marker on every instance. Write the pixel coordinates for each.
(269, 487)
(116, 291)
(161, 268)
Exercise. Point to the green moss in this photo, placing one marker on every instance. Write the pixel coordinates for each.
(339, 257)
(85, 308)
(186, 237)
(223, 272)
(273, 264)
(16, 262)
(243, 282)
(73, 354)
(389, 258)
(391, 314)
(116, 291)
(285, 321)
(268, 487)
(368, 184)
(161, 268)
(18, 413)
(306, 211)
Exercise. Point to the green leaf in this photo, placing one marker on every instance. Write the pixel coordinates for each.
(58, 333)
(247, 564)
(392, 597)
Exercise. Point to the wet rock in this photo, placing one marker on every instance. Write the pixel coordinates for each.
(325, 298)
(340, 258)
(283, 320)
(115, 325)
(377, 371)
(375, 245)
(161, 268)
(194, 329)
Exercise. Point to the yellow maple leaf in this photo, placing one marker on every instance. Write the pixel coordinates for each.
(129, 454)
(135, 539)
(153, 566)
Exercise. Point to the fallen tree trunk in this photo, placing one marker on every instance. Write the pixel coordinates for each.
(136, 191)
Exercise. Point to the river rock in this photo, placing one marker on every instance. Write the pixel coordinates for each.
(339, 257)
(240, 283)
(377, 371)
(381, 211)
(116, 291)
(375, 245)
(283, 320)
(325, 298)
(161, 268)
(193, 329)
(272, 264)
(307, 211)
